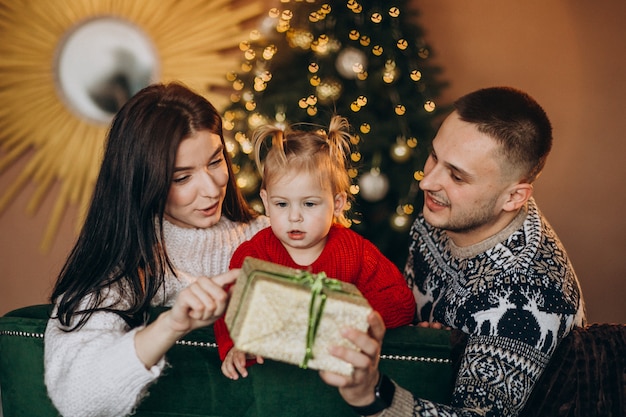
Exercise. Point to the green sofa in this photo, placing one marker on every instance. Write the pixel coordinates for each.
(586, 377)
(419, 359)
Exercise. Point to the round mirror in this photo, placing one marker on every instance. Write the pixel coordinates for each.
(100, 64)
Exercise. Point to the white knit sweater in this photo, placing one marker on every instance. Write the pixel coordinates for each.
(95, 371)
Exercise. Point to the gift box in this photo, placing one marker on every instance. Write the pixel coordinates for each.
(293, 316)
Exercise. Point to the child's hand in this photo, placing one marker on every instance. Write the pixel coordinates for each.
(432, 325)
(235, 363)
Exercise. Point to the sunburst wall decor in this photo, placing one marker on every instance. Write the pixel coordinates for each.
(52, 50)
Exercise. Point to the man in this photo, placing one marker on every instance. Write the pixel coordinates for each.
(483, 260)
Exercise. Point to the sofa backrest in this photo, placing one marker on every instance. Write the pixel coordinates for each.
(418, 359)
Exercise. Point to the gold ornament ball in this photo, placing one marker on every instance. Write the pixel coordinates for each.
(400, 152)
(257, 205)
(247, 181)
(350, 61)
(400, 222)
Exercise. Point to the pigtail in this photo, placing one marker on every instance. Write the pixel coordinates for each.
(339, 138)
(259, 138)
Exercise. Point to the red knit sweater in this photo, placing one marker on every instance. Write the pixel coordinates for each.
(348, 257)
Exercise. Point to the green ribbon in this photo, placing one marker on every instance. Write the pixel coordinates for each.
(318, 283)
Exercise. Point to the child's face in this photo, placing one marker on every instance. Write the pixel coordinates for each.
(301, 213)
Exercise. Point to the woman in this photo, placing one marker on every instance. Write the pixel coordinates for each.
(166, 214)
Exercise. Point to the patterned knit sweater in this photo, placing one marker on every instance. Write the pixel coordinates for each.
(348, 257)
(516, 296)
(95, 371)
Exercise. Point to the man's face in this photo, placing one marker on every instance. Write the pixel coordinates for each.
(464, 186)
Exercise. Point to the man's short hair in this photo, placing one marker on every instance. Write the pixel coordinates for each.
(516, 121)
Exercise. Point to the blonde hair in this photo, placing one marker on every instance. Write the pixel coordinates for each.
(317, 152)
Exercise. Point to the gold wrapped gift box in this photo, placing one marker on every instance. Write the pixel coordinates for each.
(293, 316)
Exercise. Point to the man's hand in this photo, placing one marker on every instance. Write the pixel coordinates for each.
(358, 389)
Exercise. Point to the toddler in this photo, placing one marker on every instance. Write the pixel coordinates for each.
(305, 191)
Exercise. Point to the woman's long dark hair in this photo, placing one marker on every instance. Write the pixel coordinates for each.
(121, 242)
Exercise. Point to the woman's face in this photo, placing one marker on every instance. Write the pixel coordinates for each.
(199, 182)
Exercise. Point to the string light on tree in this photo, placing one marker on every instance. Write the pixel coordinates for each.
(401, 220)
(247, 180)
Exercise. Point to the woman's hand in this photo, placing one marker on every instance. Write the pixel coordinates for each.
(201, 303)
(358, 389)
(235, 363)
(198, 305)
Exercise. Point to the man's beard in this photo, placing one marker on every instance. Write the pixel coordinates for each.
(467, 222)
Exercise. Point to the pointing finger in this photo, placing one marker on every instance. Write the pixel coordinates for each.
(226, 278)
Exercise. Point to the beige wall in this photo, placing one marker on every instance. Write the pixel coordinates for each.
(568, 54)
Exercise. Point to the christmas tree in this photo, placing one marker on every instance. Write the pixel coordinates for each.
(364, 60)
